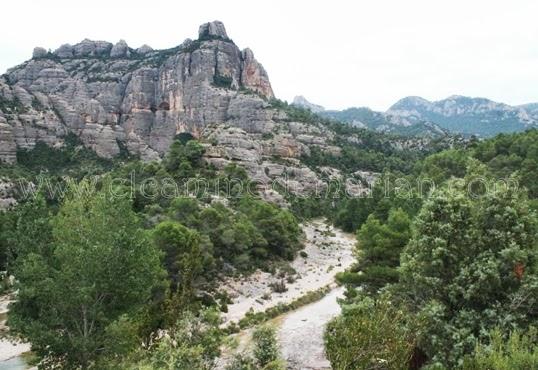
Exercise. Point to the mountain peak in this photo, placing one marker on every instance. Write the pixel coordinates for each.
(457, 97)
(409, 102)
(300, 101)
(212, 30)
(467, 115)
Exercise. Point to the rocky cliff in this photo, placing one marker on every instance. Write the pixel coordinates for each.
(115, 98)
(110, 95)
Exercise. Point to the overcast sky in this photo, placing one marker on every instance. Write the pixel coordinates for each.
(335, 53)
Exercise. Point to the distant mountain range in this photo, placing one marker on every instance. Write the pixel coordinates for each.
(455, 114)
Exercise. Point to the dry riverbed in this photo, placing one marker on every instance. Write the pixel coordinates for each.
(300, 333)
(328, 251)
(10, 352)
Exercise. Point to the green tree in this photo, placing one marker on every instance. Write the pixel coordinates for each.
(265, 351)
(471, 265)
(27, 229)
(186, 211)
(278, 227)
(101, 271)
(7, 224)
(353, 213)
(183, 157)
(442, 166)
(378, 252)
(183, 257)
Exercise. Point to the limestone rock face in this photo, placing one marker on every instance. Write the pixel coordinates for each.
(113, 96)
(144, 49)
(107, 93)
(253, 76)
(8, 148)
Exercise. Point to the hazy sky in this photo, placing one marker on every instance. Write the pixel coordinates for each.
(335, 53)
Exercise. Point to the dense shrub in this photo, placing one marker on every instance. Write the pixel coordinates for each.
(518, 352)
(369, 335)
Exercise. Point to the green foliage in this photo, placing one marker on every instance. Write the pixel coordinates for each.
(12, 106)
(265, 351)
(378, 252)
(265, 345)
(81, 295)
(71, 160)
(222, 81)
(183, 257)
(369, 335)
(252, 318)
(353, 213)
(26, 230)
(442, 166)
(471, 265)
(36, 104)
(519, 352)
(183, 157)
(516, 153)
(255, 233)
(193, 343)
(277, 226)
(242, 362)
(7, 224)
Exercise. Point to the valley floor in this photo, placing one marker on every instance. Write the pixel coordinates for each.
(300, 332)
(328, 251)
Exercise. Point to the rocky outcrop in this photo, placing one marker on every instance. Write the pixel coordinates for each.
(253, 76)
(211, 30)
(7, 197)
(144, 49)
(112, 96)
(120, 50)
(39, 52)
(107, 93)
(300, 101)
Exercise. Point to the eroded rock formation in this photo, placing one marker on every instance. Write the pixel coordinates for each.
(113, 96)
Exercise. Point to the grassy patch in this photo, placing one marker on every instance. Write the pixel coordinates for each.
(256, 318)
